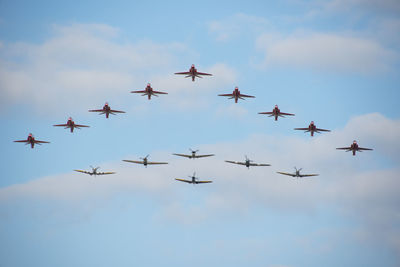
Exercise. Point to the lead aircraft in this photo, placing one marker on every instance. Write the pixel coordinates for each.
(106, 110)
(193, 155)
(237, 95)
(144, 161)
(193, 180)
(32, 141)
(193, 73)
(247, 163)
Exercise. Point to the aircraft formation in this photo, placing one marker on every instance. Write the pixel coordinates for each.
(236, 95)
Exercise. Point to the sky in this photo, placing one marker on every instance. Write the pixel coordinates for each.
(333, 62)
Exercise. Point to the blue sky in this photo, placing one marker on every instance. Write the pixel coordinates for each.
(335, 62)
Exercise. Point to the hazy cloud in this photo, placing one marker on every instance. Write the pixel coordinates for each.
(332, 52)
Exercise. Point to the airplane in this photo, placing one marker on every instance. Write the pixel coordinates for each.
(193, 155)
(193, 73)
(71, 124)
(276, 112)
(149, 92)
(31, 140)
(297, 173)
(236, 95)
(312, 129)
(145, 162)
(247, 163)
(193, 180)
(94, 171)
(354, 147)
(106, 110)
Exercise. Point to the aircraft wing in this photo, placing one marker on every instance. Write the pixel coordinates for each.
(302, 129)
(287, 114)
(156, 163)
(308, 175)
(344, 148)
(104, 173)
(203, 156)
(203, 182)
(83, 171)
(41, 142)
(203, 73)
(225, 95)
(183, 73)
(268, 113)
(21, 141)
(362, 148)
(288, 174)
(139, 92)
(183, 180)
(259, 164)
(133, 161)
(242, 95)
(61, 125)
(235, 162)
(322, 130)
(158, 92)
(79, 125)
(117, 111)
(182, 155)
(96, 110)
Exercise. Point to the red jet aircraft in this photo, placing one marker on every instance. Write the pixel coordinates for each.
(70, 124)
(354, 147)
(276, 112)
(149, 92)
(193, 73)
(31, 140)
(106, 110)
(236, 95)
(312, 128)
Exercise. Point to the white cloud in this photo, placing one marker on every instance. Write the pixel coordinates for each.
(235, 26)
(325, 52)
(357, 187)
(80, 63)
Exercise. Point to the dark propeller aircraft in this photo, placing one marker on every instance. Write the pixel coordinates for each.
(276, 112)
(94, 171)
(145, 162)
(247, 163)
(193, 73)
(70, 124)
(297, 173)
(312, 129)
(149, 92)
(193, 155)
(31, 140)
(193, 180)
(106, 110)
(236, 95)
(354, 147)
